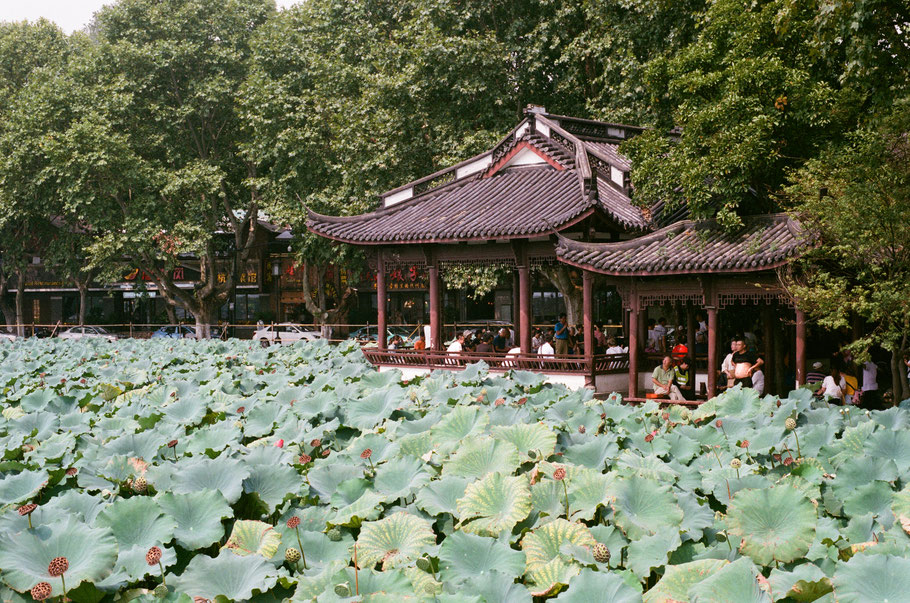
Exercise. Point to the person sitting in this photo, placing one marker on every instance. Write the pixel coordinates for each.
(680, 350)
(546, 348)
(501, 342)
(745, 363)
(421, 343)
(537, 340)
(613, 347)
(395, 344)
(662, 379)
(457, 346)
(486, 345)
(684, 379)
(833, 386)
(816, 375)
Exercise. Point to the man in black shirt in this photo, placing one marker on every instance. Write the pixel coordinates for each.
(501, 342)
(745, 363)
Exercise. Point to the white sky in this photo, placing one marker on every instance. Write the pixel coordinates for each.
(70, 15)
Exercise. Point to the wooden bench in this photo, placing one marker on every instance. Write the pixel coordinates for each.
(665, 401)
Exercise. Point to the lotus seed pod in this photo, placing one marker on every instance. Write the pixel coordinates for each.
(559, 474)
(172, 443)
(140, 485)
(200, 600)
(27, 509)
(292, 555)
(532, 455)
(58, 566)
(316, 443)
(649, 438)
(367, 453)
(293, 522)
(334, 534)
(160, 591)
(719, 423)
(423, 564)
(41, 591)
(304, 459)
(432, 588)
(412, 395)
(736, 463)
(581, 429)
(790, 424)
(153, 556)
(343, 590)
(601, 553)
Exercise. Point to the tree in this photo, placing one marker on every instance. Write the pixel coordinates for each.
(174, 71)
(753, 98)
(854, 199)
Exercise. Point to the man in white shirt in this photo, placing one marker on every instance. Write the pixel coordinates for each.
(457, 346)
(727, 367)
(758, 382)
(869, 394)
(546, 348)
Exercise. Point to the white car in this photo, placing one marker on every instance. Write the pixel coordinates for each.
(284, 333)
(87, 332)
(7, 337)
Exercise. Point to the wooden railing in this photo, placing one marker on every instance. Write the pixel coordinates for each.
(599, 364)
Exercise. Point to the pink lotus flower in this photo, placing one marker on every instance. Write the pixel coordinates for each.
(279, 444)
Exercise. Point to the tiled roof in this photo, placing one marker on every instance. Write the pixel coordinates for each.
(762, 243)
(500, 200)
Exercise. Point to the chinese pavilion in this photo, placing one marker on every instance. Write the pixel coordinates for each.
(556, 189)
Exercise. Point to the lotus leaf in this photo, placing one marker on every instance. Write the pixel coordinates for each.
(464, 556)
(393, 540)
(599, 586)
(494, 504)
(775, 524)
(229, 575)
(21, 486)
(479, 456)
(198, 517)
(872, 578)
(250, 537)
(734, 582)
(644, 507)
(675, 584)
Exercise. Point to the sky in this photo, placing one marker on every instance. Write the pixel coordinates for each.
(70, 15)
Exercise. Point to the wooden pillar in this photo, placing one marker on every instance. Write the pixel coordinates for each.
(381, 302)
(767, 321)
(800, 347)
(712, 351)
(435, 342)
(516, 302)
(519, 249)
(588, 324)
(633, 347)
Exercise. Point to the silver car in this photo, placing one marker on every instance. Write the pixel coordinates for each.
(87, 332)
(284, 333)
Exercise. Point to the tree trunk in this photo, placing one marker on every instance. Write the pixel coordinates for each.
(898, 375)
(171, 313)
(561, 278)
(204, 315)
(83, 301)
(316, 302)
(9, 313)
(20, 303)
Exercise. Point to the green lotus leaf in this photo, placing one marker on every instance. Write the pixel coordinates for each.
(643, 507)
(224, 475)
(198, 516)
(368, 412)
(594, 453)
(460, 423)
(37, 400)
(187, 410)
(807, 582)
(874, 497)
(678, 579)
(465, 556)
(900, 506)
(314, 584)
(536, 437)
(319, 549)
(549, 577)
(273, 484)
(894, 445)
(588, 490)
(734, 582)
(324, 478)
(355, 498)
(542, 546)
(21, 486)
(872, 578)
(215, 437)
(651, 551)
(24, 556)
(548, 498)
(261, 420)
(137, 521)
(494, 504)
(393, 540)
(477, 457)
(493, 585)
(44, 424)
(441, 496)
(400, 477)
(650, 467)
(416, 444)
(228, 575)
(697, 514)
(775, 524)
(251, 537)
(606, 587)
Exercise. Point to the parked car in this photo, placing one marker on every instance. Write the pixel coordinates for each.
(370, 335)
(284, 333)
(175, 332)
(87, 332)
(7, 337)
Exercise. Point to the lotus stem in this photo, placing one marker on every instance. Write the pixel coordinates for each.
(175, 453)
(302, 554)
(729, 495)
(29, 521)
(798, 451)
(160, 567)
(63, 583)
(356, 579)
(565, 490)
(714, 450)
(372, 468)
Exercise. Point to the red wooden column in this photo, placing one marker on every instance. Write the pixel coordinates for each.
(435, 342)
(633, 347)
(516, 302)
(523, 268)
(587, 292)
(800, 347)
(712, 351)
(381, 302)
(767, 319)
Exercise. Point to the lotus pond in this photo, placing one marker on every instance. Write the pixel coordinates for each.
(183, 470)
